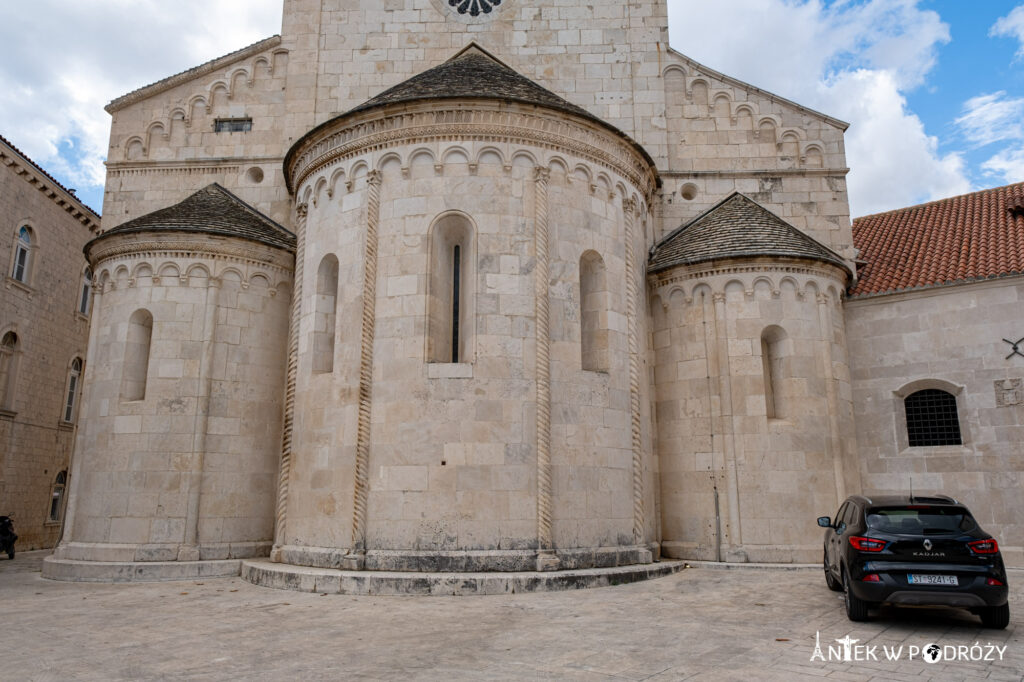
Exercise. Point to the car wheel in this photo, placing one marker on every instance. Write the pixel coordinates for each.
(997, 617)
(830, 580)
(856, 609)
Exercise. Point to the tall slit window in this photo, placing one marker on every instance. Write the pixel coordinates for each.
(932, 418)
(326, 316)
(593, 313)
(773, 359)
(22, 255)
(8, 369)
(86, 292)
(136, 355)
(74, 381)
(449, 297)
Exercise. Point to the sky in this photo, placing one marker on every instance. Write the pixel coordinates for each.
(933, 89)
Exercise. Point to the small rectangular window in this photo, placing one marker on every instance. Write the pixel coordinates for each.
(232, 125)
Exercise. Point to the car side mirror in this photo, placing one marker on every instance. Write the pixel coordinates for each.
(824, 522)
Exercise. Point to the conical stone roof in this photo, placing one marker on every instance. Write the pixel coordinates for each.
(737, 227)
(472, 74)
(211, 210)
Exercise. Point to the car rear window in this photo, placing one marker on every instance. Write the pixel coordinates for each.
(919, 520)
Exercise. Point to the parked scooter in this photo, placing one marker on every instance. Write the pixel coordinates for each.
(7, 536)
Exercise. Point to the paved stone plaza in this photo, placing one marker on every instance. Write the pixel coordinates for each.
(702, 623)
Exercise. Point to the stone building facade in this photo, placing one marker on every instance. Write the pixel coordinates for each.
(560, 297)
(44, 326)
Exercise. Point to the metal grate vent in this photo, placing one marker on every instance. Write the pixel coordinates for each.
(932, 418)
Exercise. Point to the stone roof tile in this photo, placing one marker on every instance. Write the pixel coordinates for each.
(737, 227)
(211, 210)
(966, 238)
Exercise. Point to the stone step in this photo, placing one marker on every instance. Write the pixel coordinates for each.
(70, 570)
(331, 581)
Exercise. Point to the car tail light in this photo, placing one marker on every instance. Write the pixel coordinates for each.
(992, 582)
(989, 546)
(872, 578)
(867, 544)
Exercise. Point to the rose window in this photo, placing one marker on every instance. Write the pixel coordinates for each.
(474, 8)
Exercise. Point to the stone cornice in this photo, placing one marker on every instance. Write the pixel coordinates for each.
(189, 245)
(498, 122)
(683, 273)
(760, 173)
(21, 165)
(185, 76)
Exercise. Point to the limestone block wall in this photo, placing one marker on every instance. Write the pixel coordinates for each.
(950, 338)
(42, 314)
(752, 447)
(454, 453)
(724, 135)
(603, 55)
(179, 450)
(164, 145)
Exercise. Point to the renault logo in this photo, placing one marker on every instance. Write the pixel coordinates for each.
(927, 544)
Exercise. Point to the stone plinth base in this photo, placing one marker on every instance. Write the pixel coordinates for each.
(462, 561)
(331, 581)
(72, 570)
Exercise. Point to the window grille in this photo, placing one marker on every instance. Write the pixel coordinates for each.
(57, 496)
(932, 418)
(21, 255)
(232, 125)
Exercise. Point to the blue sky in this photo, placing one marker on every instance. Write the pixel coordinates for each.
(933, 89)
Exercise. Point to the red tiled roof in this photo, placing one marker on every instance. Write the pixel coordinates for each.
(967, 238)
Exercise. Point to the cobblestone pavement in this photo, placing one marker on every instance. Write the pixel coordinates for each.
(702, 623)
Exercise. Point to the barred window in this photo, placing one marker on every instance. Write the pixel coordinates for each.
(932, 418)
(57, 497)
(232, 125)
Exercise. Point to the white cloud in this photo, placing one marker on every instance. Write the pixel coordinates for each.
(992, 118)
(1011, 26)
(1008, 165)
(854, 60)
(63, 61)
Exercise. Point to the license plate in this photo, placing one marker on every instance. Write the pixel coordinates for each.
(917, 579)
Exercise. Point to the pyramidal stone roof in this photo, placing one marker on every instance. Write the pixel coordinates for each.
(737, 227)
(968, 238)
(475, 74)
(211, 210)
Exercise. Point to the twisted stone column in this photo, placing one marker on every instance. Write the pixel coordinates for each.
(287, 429)
(546, 559)
(629, 207)
(356, 559)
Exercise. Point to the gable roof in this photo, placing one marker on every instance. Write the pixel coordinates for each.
(211, 210)
(737, 227)
(966, 238)
(188, 74)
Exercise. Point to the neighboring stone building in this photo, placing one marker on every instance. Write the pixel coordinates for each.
(936, 334)
(502, 352)
(44, 327)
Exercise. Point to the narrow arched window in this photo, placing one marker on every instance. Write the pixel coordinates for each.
(86, 292)
(8, 369)
(773, 362)
(23, 255)
(57, 497)
(932, 418)
(325, 316)
(74, 381)
(593, 313)
(136, 355)
(449, 298)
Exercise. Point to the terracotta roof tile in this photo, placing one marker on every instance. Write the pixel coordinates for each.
(961, 239)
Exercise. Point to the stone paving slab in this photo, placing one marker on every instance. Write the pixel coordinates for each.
(697, 624)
